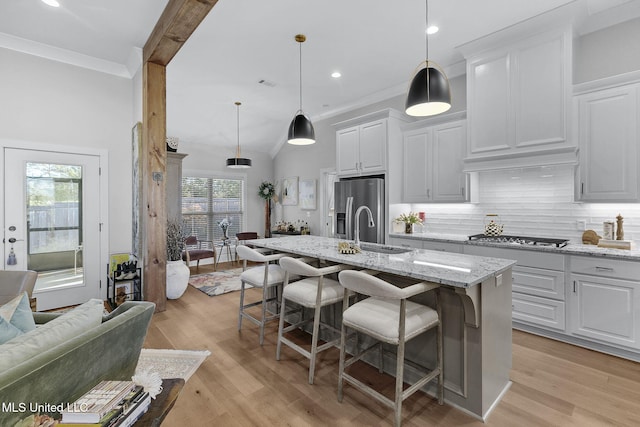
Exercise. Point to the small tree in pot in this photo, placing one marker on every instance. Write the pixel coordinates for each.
(177, 271)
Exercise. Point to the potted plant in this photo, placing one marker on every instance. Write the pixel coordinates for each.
(409, 219)
(177, 271)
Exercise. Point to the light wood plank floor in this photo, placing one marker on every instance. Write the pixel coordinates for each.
(241, 383)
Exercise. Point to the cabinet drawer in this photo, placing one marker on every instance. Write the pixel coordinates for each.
(538, 282)
(538, 311)
(597, 266)
(442, 246)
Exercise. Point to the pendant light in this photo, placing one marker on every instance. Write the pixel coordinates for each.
(301, 129)
(429, 93)
(238, 162)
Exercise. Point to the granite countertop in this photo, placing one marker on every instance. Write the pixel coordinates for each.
(569, 249)
(435, 266)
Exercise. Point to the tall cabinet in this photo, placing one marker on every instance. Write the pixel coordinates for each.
(519, 99)
(432, 167)
(609, 127)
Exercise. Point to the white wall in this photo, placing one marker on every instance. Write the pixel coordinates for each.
(50, 102)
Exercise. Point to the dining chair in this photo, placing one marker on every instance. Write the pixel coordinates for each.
(388, 317)
(194, 251)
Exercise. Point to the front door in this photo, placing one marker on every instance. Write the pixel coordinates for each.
(52, 223)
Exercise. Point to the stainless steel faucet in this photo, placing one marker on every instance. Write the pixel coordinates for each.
(356, 230)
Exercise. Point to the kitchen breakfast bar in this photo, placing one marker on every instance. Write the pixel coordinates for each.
(476, 311)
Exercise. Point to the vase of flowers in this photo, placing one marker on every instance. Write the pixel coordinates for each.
(409, 219)
(177, 271)
(267, 192)
(224, 225)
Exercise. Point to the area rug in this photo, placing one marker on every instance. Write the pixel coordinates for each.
(171, 363)
(218, 282)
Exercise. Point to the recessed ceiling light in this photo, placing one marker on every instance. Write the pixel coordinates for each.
(52, 3)
(432, 29)
(336, 75)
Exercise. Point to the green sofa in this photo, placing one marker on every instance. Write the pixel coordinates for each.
(63, 372)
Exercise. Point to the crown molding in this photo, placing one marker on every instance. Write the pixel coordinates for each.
(42, 50)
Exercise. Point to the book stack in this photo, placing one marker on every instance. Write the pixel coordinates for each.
(108, 404)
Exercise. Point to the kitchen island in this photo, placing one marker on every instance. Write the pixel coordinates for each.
(476, 306)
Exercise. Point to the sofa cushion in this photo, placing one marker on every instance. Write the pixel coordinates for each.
(58, 330)
(18, 313)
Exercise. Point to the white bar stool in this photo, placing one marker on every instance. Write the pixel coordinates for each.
(266, 276)
(388, 317)
(313, 291)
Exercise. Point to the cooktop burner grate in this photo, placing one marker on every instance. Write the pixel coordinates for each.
(521, 240)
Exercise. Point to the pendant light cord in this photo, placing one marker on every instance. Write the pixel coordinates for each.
(426, 36)
(238, 128)
(300, 56)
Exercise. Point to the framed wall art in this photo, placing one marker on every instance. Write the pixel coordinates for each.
(307, 194)
(290, 191)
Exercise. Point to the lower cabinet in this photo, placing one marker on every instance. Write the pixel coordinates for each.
(538, 295)
(605, 305)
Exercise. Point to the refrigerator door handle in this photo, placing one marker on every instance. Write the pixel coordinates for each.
(349, 219)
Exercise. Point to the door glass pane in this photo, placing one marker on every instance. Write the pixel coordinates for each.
(54, 223)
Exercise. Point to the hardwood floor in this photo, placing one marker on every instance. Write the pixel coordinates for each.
(241, 383)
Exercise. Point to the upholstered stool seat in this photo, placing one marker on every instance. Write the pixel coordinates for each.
(379, 318)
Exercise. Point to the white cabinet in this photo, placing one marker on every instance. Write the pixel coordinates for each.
(433, 162)
(608, 122)
(362, 149)
(518, 98)
(605, 301)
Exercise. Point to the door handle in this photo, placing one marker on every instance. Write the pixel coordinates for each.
(13, 240)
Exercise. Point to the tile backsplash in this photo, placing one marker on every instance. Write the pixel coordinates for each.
(530, 202)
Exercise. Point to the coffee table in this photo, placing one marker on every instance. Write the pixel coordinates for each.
(162, 404)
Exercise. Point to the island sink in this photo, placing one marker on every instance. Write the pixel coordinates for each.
(383, 249)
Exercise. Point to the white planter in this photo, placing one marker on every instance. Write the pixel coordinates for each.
(177, 279)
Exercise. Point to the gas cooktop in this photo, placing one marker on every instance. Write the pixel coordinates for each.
(520, 240)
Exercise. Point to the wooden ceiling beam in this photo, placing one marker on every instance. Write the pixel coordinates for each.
(178, 21)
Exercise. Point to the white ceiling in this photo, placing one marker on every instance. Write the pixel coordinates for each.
(375, 44)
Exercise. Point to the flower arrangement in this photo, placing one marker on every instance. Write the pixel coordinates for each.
(176, 233)
(410, 218)
(266, 190)
(224, 225)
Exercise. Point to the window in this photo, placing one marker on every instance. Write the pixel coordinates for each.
(207, 201)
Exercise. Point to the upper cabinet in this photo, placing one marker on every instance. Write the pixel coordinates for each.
(362, 143)
(608, 128)
(518, 101)
(432, 162)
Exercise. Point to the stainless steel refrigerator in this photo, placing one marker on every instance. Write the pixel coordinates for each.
(349, 195)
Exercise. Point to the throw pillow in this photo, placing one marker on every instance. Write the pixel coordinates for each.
(58, 331)
(7, 331)
(18, 313)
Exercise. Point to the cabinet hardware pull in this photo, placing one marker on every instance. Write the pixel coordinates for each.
(582, 188)
(462, 190)
(428, 193)
(574, 286)
(604, 269)
(360, 165)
